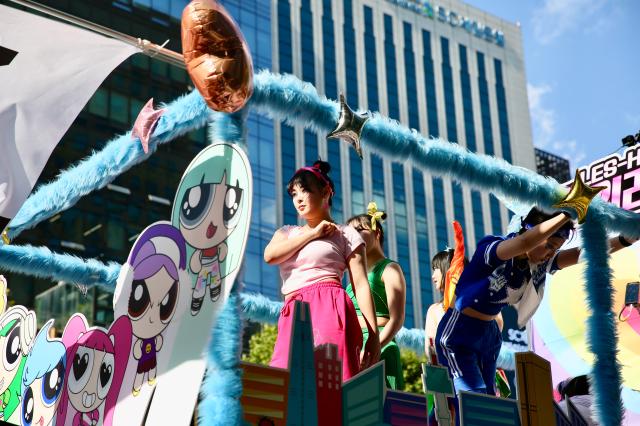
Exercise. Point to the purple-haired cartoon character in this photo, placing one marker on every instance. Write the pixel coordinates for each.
(158, 254)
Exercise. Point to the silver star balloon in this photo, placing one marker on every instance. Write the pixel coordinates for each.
(350, 125)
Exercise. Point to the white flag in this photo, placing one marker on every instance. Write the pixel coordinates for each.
(48, 72)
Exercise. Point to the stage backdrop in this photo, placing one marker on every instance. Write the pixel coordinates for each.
(558, 330)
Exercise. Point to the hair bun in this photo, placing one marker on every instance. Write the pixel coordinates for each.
(384, 216)
(324, 167)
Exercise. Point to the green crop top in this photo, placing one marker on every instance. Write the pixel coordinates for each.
(377, 290)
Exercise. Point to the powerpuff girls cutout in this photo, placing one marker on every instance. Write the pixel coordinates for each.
(96, 364)
(155, 259)
(153, 291)
(43, 379)
(17, 333)
(212, 210)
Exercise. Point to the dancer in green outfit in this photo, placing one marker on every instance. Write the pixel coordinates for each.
(388, 289)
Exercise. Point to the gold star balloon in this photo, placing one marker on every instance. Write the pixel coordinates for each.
(350, 125)
(579, 197)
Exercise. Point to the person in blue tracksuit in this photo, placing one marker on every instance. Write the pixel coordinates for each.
(504, 270)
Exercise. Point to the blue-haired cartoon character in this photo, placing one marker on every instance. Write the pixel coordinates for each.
(211, 203)
(42, 379)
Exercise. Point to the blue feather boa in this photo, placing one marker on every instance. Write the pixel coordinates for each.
(222, 386)
(601, 325)
(285, 97)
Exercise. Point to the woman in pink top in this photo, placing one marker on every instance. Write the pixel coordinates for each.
(312, 260)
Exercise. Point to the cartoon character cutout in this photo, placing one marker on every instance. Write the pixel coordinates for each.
(96, 364)
(43, 379)
(208, 208)
(156, 258)
(17, 333)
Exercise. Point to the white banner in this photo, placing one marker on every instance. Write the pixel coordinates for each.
(48, 72)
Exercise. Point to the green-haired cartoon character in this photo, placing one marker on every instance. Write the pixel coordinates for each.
(211, 209)
(17, 333)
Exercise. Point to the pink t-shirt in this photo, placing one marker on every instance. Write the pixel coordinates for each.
(323, 259)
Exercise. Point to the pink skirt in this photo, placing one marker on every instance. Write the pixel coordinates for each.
(334, 320)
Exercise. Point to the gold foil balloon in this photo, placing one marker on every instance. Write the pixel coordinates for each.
(579, 197)
(216, 55)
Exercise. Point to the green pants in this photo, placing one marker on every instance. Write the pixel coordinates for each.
(390, 354)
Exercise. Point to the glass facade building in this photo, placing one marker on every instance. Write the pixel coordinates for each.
(548, 164)
(430, 72)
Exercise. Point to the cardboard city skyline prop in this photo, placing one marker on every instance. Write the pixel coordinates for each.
(105, 367)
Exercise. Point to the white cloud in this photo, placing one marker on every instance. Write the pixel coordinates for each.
(557, 17)
(543, 120)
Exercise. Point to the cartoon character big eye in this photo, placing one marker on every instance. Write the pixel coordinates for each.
(106, 375)
(232, 200)
(168, 304)
(139, 299)
(81, 369)
(11, 351)
(27, 407)
(196, 203)
(52, 384)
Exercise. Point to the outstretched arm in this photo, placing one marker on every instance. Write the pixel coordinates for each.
(570, 257)
(513, 247)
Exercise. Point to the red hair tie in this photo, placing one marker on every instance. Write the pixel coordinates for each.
(318, 173)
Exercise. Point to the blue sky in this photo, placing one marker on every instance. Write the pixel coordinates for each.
(583, 71)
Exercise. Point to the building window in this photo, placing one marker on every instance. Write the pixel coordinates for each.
(503, 120)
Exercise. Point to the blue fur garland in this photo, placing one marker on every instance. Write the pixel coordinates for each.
(287, 98)
(43, 263)
(601, 325)
(186, 113)
(222, 387)
(259, 308)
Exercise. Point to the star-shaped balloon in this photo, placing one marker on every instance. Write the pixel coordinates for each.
(579, 197)
(350, 125)
(146, 123)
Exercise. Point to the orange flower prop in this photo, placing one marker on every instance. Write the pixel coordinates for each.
(456, 267)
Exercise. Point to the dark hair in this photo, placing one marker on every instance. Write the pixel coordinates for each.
(363, 221)
(537, 216)
(573, 386)
(310, 182)
(442, 261)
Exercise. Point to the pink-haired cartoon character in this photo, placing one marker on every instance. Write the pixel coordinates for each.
(96, 364)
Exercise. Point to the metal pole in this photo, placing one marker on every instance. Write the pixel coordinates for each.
(148, 48)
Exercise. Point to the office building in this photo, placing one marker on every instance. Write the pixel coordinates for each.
(548, 164)
(444, 68)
